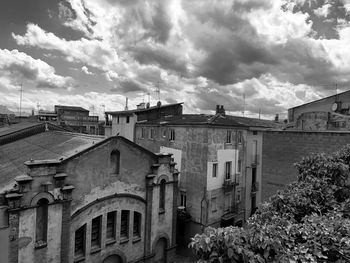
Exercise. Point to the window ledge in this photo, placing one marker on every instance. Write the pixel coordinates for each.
(124, 240)
(40, 244)
(136, 239)
(161, 211)
(79, 259)
(95, 250)
(110, 241)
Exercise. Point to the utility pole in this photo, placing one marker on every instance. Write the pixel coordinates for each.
(20, 100)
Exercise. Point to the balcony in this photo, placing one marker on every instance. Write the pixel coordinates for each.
(255, 159)
(229, 184)
(255, 187)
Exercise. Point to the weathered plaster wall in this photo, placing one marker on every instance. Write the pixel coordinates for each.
(94, 167)
(26, 241)
(131, 249)
(124, 129)
(176, 155)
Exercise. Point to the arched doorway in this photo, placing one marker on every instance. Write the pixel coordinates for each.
(160, 251)
(113, 259)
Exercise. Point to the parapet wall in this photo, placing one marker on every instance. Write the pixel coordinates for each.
(281, 149)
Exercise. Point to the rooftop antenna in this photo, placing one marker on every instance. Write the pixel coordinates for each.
(38, 106)
(20, 100)
(93, 110)
(259, 112)
(243, 104)
(143, 97)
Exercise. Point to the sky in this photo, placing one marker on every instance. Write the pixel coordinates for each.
(249, 55)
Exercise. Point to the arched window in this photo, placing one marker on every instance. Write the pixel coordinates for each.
(162, 195)
(115, 161)
(41, 222)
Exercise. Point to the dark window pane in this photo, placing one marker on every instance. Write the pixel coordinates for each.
(137, 224)
(41, 220)
(124, 224)
(96, 232)
(79, 241)
(110, 234)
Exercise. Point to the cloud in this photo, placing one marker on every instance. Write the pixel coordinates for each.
(323, 11)
(86, 70)
(18, 66)
(93, 52)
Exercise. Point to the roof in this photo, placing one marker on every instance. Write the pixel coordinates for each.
(214, 120)
(17, 127)
(130, 112)
(72, 108)
(335, 95)
(49, 145)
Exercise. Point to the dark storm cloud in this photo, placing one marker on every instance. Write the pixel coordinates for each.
(159, 28)
(157, 55)
(21, 71)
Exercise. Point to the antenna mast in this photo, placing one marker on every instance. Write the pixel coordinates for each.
(158, 91)
(20, 100)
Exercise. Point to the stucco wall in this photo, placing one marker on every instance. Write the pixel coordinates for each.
(26, 241)
(124, 129)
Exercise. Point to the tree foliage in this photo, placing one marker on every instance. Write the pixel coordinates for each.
(308, 221)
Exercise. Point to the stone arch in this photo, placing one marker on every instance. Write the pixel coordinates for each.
(159, 236)
(42, 195)
(163, 177)
(160, 246)
(115, 256)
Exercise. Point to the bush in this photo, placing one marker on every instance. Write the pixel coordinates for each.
(308, 221)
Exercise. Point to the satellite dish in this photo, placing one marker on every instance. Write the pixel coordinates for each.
(334, 106)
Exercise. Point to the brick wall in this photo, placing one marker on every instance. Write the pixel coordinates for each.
(283, 148)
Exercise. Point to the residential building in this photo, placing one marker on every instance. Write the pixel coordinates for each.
(123, 122)
(330, 113)
(219, 160)
(72, 197)
(75, 118)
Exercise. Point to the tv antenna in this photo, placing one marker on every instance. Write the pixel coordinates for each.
(158, 90)
(243, 104)
(20, 100)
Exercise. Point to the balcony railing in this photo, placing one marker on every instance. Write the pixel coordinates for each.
(255, 187)
(229, 184)
(255, 159)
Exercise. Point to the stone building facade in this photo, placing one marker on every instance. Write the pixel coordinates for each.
(90, 199)
(219, 160)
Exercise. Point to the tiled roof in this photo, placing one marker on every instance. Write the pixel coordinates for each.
(214, 120)
(46, 145)
(17, 127)
(129, 112)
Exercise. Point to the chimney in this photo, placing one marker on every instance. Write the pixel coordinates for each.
(217, 109)
(276, 118)
(222, 110)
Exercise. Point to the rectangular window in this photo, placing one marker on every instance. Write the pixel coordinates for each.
(137, 225)
(142, 133)
(239, 137)
(127, 119)
(228, 167)
(183, 200)
(238, 199)
(151, 133)
(110, 232)
(215, 169)
(213, 205)
(124, 224)
(172, 135)
(79, 241)
(96, 232)
(228, 136)
(239, 166)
